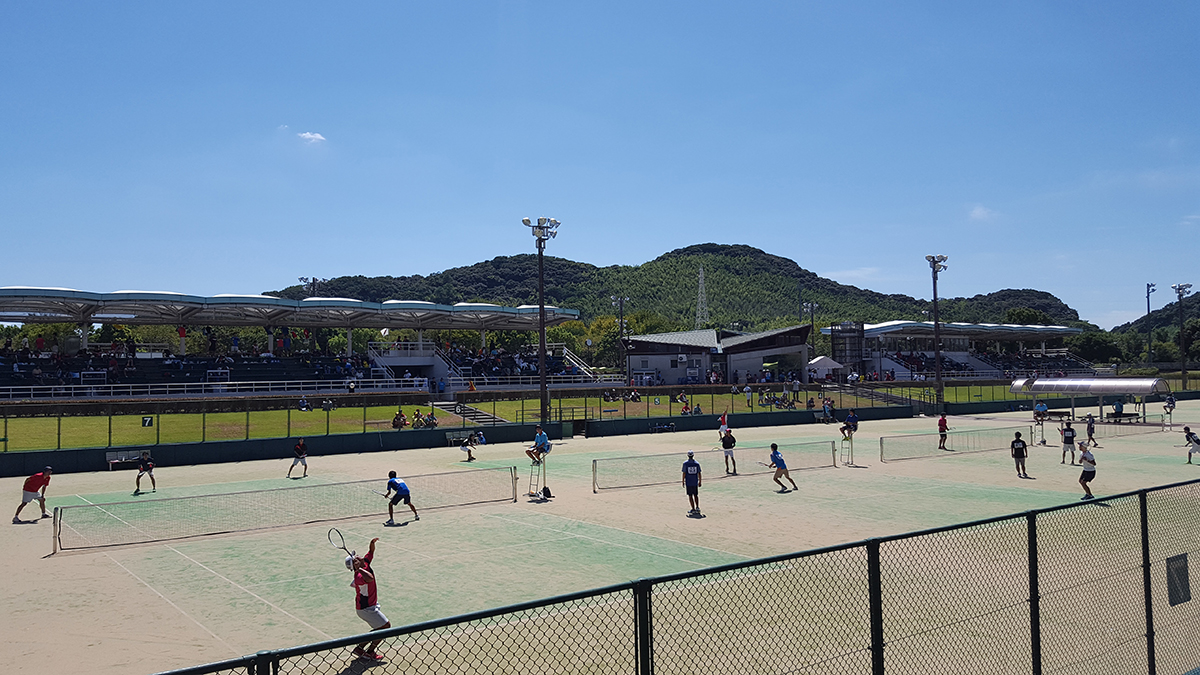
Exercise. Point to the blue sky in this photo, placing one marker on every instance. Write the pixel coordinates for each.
(231, 147)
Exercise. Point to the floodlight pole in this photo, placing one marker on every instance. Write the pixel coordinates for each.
(619, 302)
(1182, 290)
(936, 265)
(545, 229)
(1149, 329)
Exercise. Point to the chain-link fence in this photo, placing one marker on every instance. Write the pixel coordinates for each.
(1096, 587)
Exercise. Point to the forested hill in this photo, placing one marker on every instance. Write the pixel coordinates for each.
(744, 284)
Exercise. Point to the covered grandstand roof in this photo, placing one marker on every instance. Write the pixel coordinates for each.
(1093, 386)
(979, 331)
(721, 341)
(63, 305)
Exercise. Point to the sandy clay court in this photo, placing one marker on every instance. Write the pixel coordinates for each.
(150, 607)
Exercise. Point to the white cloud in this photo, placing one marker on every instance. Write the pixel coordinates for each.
(310, 137)
(282, 127)
(983, 213)
(1189, 221)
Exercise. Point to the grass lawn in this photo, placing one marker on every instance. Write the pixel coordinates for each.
(50, 433)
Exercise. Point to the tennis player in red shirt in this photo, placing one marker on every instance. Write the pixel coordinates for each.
(366, 600)
(34, 489)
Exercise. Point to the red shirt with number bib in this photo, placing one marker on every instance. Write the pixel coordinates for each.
(364, 586)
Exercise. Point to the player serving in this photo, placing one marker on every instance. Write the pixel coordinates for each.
(366, 600)
(145, 468)
(402, 495)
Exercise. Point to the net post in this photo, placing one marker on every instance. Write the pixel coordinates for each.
(833, 452)
(55, 523)
(594, 486)
(644, 628)
(515, 478)
(875, 601)
(1151, 666)
(1035, 598)
(881, 448)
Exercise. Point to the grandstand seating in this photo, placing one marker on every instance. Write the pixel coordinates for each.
(25, 369)
(502, 363)
(1031, 363)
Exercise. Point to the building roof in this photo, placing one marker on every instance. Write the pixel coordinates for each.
(64, 305)
(981, 331)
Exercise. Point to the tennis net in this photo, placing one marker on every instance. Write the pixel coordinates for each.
(134, 522)
(912, 446)
(665, 468)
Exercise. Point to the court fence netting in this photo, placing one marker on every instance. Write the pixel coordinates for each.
(913, 446)
(665, 468)
(1090, 587)
(141, 521)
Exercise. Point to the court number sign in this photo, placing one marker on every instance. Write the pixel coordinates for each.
(147, 421)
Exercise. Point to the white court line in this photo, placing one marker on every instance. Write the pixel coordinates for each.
(640, 534)
(602, 541)
(245, 590)
(388, 544)
(177, 607)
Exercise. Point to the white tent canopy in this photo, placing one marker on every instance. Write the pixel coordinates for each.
(824, 363)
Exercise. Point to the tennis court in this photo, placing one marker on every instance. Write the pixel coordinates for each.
(150, 607)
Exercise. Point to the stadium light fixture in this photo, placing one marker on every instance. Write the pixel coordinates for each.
(937, 264)
(545, 230)
(1182, 290)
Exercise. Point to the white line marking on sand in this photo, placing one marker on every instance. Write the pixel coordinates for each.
(602, 541)
(252, 594)
(177, 607)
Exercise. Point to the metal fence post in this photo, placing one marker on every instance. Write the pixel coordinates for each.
(1151, 667)
(875, 596)
(643, 627)
(59, 447)
(1035, 597)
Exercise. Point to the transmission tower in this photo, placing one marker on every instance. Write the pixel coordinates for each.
(701, 304)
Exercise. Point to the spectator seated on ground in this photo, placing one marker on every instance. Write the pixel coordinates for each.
(304, 405)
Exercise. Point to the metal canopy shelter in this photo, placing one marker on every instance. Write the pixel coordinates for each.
(1091, 386)
(63, 305)
(980, 331)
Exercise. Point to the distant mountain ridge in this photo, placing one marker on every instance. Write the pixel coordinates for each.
(744, 285)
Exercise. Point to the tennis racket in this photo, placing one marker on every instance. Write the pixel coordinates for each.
(338, 541)
(381, 494)
(764, 464)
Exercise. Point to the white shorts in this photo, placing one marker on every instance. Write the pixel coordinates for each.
(27, 497)
(1192, 450)
(143, 473)
(373, 616)
(729, 452)
(300, 460)
(1068, 446)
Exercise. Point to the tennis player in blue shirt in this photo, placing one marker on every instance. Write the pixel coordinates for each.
(781, 469)
(402, 495)
(691, 483)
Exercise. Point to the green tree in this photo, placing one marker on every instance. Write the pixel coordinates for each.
(1027, 317)
(1095, 346)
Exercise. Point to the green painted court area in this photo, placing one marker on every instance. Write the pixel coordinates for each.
(168, 604)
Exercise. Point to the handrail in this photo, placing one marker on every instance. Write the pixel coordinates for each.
(208, 388)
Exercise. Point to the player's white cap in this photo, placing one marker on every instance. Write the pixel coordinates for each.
(350, 562)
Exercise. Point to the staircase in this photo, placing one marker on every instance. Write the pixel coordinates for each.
(573, 359)
(468, 413)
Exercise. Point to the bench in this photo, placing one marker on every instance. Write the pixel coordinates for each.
(457, 438)
(662, 426)
(822, 418)
(1059, 415)
(130, 457)
(1119, 417)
